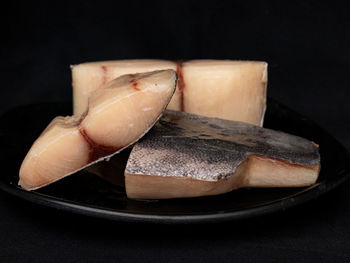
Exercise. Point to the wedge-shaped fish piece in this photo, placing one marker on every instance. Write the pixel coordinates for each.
(187, 155)
(118, 115)
(227, 89)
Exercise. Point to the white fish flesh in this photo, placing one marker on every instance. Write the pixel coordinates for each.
(118, 114)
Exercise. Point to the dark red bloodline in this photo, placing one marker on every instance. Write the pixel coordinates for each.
(180, 83)
(104, 80)
(134, 85)
(96, 150)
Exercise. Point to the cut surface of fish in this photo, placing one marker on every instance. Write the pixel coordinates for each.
(88, 77)
(118, 114)
(231, 90)
(187, 155)
(227, 89)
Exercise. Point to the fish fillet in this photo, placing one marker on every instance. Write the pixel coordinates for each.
(187, 155)
(227, 89)
(118, 114)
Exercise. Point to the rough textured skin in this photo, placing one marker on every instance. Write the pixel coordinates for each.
(210, 149)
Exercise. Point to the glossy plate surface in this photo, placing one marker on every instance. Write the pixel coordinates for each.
(88, 194)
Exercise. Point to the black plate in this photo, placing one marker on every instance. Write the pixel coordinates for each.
(86, 193)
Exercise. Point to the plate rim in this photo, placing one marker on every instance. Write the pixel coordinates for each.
(89, 210)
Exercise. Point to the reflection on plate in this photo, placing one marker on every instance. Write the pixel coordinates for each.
(88, 194)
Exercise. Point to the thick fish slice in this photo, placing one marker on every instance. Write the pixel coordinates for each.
(118, 115)
(87, 77)
(226, 89)
(187, 155)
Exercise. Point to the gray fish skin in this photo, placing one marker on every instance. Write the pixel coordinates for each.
(210, 149)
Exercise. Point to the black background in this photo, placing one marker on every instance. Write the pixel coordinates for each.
(306, 44)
